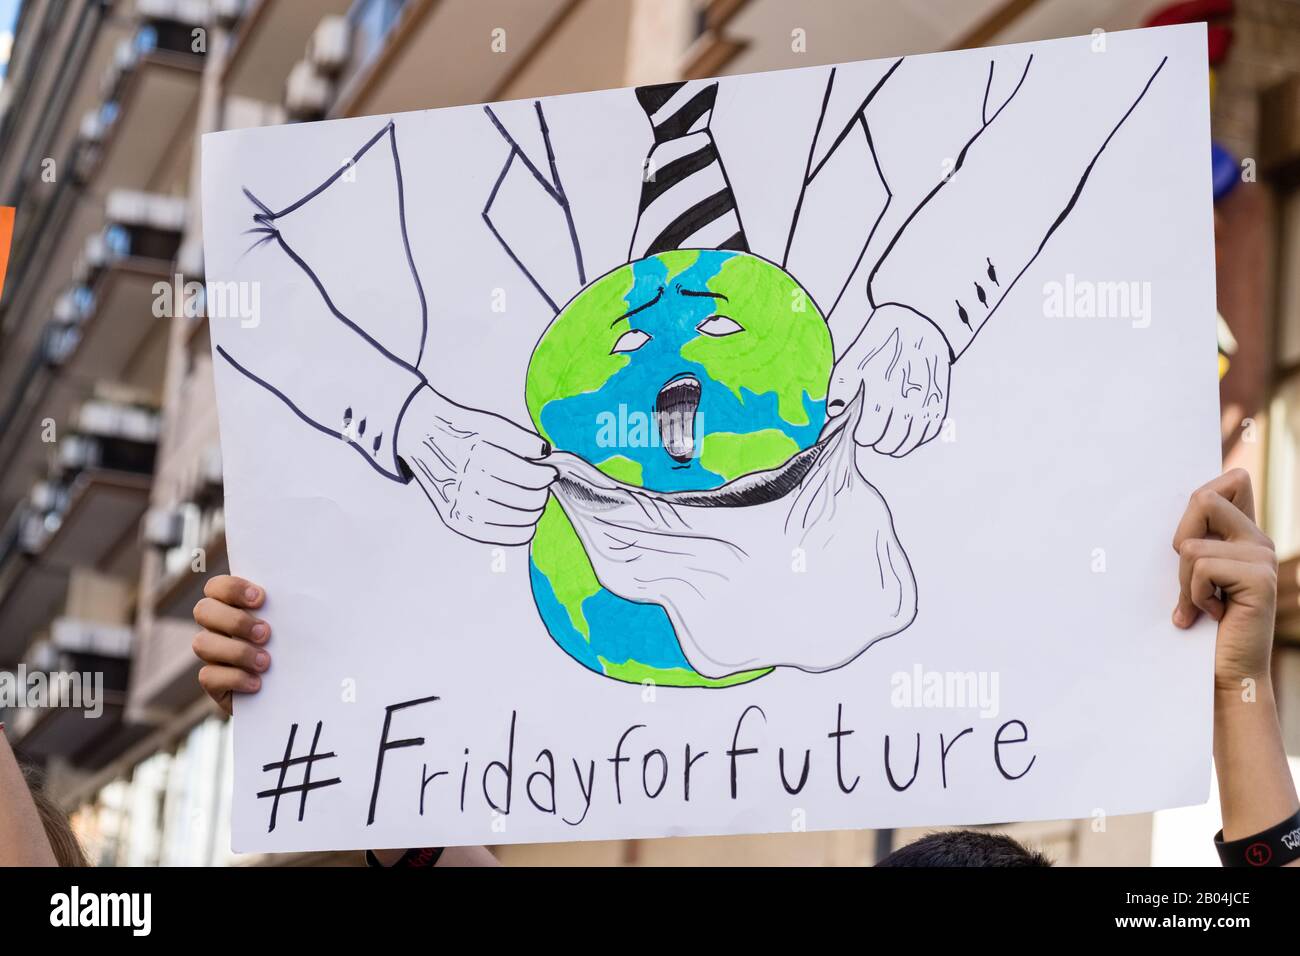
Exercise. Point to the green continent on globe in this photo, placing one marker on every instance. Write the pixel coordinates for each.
(681, 371)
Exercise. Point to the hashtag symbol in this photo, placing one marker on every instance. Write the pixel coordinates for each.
(307, 785)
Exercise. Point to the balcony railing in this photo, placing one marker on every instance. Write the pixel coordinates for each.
(82, 671)
(150, 90)
(100, 324)
(271, 37)
(30, 591)
(86, 513)
(101, 485)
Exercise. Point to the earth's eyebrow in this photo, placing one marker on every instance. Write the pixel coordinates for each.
(631, 312)
(704, 295)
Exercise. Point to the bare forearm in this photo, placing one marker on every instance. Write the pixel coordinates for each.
(1255, 787)
(22, 838)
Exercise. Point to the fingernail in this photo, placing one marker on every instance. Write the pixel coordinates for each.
(1179, 617)
(261, 660)
(253, 683)
(251, 595)
(260, 631)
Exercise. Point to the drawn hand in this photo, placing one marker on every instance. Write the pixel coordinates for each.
(1228, 569)
(901, 363)
(476, 468)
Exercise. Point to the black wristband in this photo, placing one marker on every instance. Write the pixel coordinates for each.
(1276, 846)
(421, 858)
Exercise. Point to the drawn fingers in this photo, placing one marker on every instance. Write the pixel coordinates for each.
(873, 421)
(840, 392)
(932, 426)
(494, 462)
(497, 498)
(508, 535)
(506, 435)
(898, 434)
(524, 501)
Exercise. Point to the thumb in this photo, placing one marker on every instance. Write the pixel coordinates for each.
(851, 370)
(842, 390)
(1185, 612)
(848, 402)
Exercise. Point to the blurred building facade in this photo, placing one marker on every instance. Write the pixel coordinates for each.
(110, 493)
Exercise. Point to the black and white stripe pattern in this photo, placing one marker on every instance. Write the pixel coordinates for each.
(686, 200)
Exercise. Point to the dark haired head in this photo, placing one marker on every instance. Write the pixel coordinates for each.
(965, 848)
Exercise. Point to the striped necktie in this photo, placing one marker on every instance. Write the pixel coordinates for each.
(686, 199)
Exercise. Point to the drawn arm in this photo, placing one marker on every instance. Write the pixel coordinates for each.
(360, 382)
(962, 249)
(523, 200)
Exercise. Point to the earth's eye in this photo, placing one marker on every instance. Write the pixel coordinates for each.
(719, 325)
(630, 341)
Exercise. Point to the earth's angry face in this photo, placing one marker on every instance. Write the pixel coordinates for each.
(680, 371)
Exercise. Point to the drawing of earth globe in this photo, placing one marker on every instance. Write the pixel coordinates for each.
(680, 371)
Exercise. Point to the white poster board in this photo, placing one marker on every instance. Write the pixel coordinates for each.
(861, 402)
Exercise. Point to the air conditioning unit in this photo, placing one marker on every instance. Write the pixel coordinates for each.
(42, 656)
(68, 308)
(94, 256)
(192, 11)
(210, 475)
(244, 112)
(44, 496)
(77, 452)
(330, 45)
(189, 258)
(35, 530)
(96, 418)
(178, 11)
(125, 56)
(76, 636)
(92, 126)
(140, 424)
(59, 342)
(162, 527)
(126, 206)
(306, 92)
(225, 13)
(117, 420)
(133, 208)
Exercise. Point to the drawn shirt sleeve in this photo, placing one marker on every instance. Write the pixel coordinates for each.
(340, 346)
(1010, 186)
(359, 401)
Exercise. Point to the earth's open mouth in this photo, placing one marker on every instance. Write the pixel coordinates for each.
(675, 409)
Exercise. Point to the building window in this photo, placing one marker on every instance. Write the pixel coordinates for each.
(170, 809)
(371, 22)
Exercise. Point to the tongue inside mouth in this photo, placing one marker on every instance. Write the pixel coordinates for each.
(675, 410)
